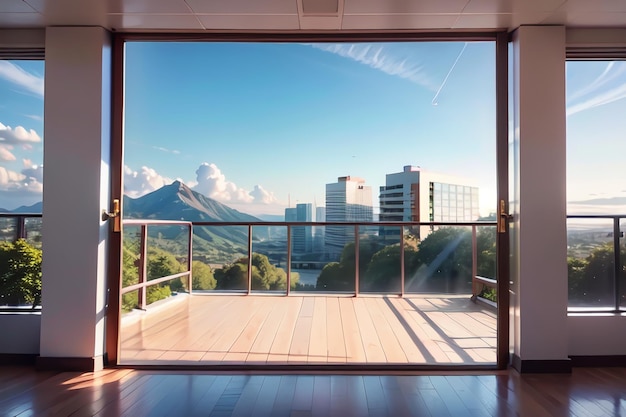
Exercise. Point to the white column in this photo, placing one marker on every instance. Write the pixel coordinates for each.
(539, 234)
(76, 189)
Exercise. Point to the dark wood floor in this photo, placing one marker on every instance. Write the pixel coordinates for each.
(125, 392)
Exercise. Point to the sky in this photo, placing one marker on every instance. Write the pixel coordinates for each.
(264, 126)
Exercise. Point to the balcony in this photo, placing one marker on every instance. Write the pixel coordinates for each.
(416, 314)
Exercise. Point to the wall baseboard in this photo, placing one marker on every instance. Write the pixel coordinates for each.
(549, 366)
(599, 361)
(51, 363)
(17, 359)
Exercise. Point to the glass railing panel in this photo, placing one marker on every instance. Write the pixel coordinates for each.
(269, 260)
(486, 260)
(168, 249)
(332, 263)
(590, 263)
(224, 251)
(33, 227)
(131, 254)
(8, 229)
(380, 259)
(443, 263)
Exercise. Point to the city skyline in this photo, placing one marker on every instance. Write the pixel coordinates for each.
(259, 126)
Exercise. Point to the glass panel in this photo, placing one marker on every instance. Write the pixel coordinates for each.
(379, 260)
(269, 259)
(595, 180)
(21, 181)
(224, 250)
(590, 263)
(622, 278)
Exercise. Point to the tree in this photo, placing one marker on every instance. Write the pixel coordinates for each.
(202, 276)
(265, 276)
(20, 273)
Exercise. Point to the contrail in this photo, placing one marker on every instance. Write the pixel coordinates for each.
(434, 101)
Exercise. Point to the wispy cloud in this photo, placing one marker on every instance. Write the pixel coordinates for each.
(159, 148)
(18, 76)
(381, 58)
(608, 87)
(34, 117)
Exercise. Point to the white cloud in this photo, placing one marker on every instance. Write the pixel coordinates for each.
(138, 183)
(33, 172)
(18, 76)
(260, 195)
(380, 58)
(20, 184)
(212, 183)
(17, 136)
(5, 154)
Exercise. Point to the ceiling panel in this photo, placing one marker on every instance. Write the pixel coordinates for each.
(509, 6)
(244, 6)
(593, 19)
(398, 21)
(481, 21)
(595, 6)
(15, 6)
(130, 21)
(73, 12)
(250, 22)
(21, 20)
(403, 6)
(149, 6)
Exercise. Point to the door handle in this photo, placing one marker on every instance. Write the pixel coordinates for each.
(503, 217)
(114, 214)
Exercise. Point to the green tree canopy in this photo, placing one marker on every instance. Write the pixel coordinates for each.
(20, 273)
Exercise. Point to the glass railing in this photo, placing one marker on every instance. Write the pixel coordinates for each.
(324, 257)
(20, 261)
(595, 263)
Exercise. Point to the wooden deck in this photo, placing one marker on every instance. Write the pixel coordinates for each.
(321, 329)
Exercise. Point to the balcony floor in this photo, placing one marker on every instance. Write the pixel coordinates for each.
(321, 329)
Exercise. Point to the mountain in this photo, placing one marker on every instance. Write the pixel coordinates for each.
(613, 201)
(179, 202)
(33, 209)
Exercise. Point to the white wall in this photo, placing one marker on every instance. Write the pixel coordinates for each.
(539, 269)
(20, 333)
(76, 178)
(596, 335)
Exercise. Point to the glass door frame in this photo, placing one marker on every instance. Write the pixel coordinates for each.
(501, 39)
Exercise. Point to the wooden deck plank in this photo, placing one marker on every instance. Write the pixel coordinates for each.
(371, 343)
(299, 349)
(318, 345)
(279, 352)
(334, 328)
(355, 352)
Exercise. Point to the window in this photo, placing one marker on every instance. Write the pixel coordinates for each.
(21, 182)
(596, 184)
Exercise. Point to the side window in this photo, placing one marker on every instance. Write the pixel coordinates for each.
(596, 184)
(21, 182)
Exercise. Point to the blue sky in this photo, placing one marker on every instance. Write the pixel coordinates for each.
(257, 126)
(276, 122)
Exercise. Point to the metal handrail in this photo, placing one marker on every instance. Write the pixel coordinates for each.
(400, 224)
(21, 222)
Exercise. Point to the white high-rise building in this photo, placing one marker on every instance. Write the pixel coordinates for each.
(423, 196)
(347, 200)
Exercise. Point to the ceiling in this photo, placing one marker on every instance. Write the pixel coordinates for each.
(315, 15)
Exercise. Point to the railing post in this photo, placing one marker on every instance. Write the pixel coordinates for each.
(401, 261)
(21, 227)
(356, 260)
(143, 270)
(288, 259)
(474, 263)
(617, 262)
(190, 260)
(249, 259)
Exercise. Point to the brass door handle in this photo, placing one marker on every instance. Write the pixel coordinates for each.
(503, 217)
(114, 214)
